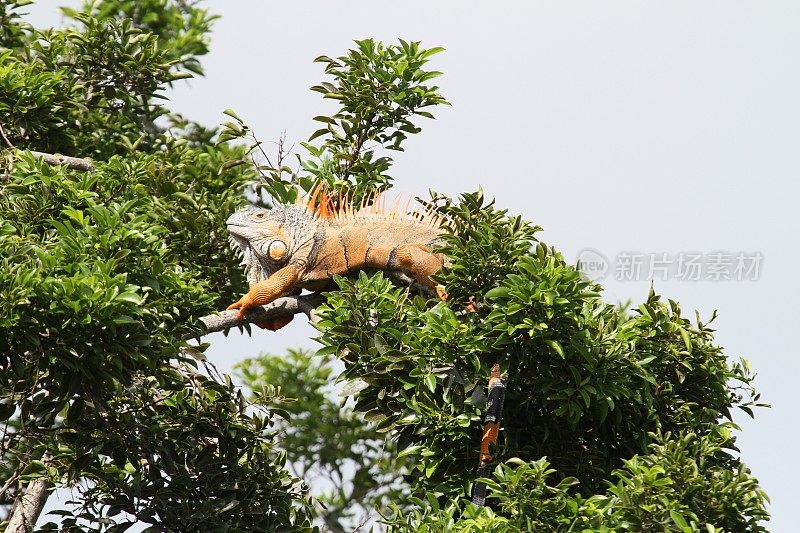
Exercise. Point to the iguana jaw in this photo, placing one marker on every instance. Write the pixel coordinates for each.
(254, 268)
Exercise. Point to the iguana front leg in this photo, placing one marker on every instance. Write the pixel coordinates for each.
(270, 289)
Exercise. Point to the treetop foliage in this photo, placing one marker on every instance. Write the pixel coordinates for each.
(615, 419)
(380, 89)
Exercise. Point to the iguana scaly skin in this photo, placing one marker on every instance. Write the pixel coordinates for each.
(289, 248)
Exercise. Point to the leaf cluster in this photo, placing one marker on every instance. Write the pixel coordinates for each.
(379, 90)
(13, 29)
(92, 90)
(116, 250)
(675, 487)
(105, 273)
(588, 383)
(182, 29)
(199, 459)
(350, 467)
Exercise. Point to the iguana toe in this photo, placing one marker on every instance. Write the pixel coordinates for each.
(242, 305)
(233, 306)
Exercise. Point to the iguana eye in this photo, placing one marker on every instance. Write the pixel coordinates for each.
(260, 215)
(277, 250)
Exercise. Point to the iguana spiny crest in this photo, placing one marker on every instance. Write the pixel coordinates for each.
(289, 248)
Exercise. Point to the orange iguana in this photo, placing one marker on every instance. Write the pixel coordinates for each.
(289, 248)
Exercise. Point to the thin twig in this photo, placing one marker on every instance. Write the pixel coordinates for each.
(212, 371)
(11, 480)
(260, 148)
(3, 133)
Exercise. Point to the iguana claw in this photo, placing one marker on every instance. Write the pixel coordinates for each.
(273, 324)
(242, 305)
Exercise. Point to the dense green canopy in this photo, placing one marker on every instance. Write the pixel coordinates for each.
(616, 419)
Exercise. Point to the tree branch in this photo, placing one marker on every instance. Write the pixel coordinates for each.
(75, 163)
(282, 307)
(29, 504)
(293, 305)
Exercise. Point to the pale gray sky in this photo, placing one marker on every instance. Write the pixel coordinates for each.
(619, 126)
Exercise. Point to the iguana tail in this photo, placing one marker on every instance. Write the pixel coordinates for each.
(491, 430)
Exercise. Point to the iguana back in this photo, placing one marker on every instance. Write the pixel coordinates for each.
(287, 248)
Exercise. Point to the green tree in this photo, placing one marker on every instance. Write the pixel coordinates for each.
(350, 466)
(615, 420)
(107, 266)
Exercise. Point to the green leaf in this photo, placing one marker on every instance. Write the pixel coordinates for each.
(33, 470)
(678, 519)
(231, 113)
(556, 346)
(497, 292)
(686, 340)
(430, 382)
(130, 297)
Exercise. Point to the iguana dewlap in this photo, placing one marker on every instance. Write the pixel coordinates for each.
(289, 248)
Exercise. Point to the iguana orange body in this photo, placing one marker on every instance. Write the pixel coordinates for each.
(289, 248)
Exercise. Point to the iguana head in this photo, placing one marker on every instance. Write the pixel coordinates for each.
(270, 238)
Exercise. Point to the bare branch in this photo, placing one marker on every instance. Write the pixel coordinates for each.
(282, 307)
(75, 163)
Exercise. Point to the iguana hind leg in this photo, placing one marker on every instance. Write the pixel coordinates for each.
(419, 261)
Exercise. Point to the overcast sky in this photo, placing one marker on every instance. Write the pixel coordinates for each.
(627, 128)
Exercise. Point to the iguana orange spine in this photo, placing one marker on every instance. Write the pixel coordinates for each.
(302, 246)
